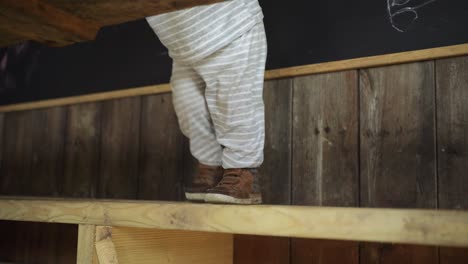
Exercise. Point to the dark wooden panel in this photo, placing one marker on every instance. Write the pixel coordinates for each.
(17, 154)
(48, 131)
(324, 251)
(1, 140)
(325, 163)
(452, 136)
(44, 243)
(397, 150)
(82, 150)
(452, 130)
(260, 250)
(161, 151)
(119, 148)
(453, 255)
(7, 241)
(275, 175)
(33, 166)
(392, 253)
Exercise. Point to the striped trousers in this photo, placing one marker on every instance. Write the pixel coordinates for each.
(219, 102)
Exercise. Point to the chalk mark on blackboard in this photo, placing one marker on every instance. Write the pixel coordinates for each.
(412, 11)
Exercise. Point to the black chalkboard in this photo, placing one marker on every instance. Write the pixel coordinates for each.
(299, 32)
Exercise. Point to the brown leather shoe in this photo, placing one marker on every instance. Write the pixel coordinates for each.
(206, 177)
(238, 186)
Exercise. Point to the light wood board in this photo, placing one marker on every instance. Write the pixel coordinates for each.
(414, 226)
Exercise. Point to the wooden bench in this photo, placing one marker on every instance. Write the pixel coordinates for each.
(171, 232)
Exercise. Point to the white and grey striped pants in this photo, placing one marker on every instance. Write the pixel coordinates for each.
(219, 103)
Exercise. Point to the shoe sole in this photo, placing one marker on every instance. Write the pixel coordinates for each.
(195, 197)
(226, 199)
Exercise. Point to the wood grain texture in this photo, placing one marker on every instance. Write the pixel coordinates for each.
(82, 150)
(452, 137)
(48, 132)
(33, 166)
(275, 174)
(161, 151)
(85, 247)
(398, 149)
(142, 245)
(43, 243)
(41, 22)
(325, 164)
(415, 226)
(17, 154)
(261, 249)
(120, 148)
(452, 131)
(105, 248)
(397, 136)
(108, 12)
(324, 251)
(7, 241)
(2, 117)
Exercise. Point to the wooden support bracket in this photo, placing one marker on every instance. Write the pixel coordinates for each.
(85, 249)
(105, 248)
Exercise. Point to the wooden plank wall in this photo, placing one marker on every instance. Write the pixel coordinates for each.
(392, 136)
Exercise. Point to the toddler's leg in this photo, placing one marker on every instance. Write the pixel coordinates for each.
(194, 120)
(234, 94)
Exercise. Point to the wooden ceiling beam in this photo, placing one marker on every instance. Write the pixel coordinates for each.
(44, 23)
(63, 22)
(109, 12)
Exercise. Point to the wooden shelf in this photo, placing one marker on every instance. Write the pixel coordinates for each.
(413, 226)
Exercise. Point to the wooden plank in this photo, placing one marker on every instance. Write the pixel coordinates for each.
(119, 148)
(417, 226)
(371, 61)
(261, 249)
(48, 132)
(34, 142)
(2, 117)
(397, 149)
(452, 131)
(125, 93)
(82, 150)
(275, 174)
(7, 241)
(365, 62)
(452, 135)
(17, 154)
(324, 251)
(161, 151)
(85, 247)
(325, 127)
(142, 245)
(451, 255)
(108, 12)
(39, 21)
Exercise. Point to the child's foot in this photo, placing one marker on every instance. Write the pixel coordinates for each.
(205, 178)
(237, 187)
